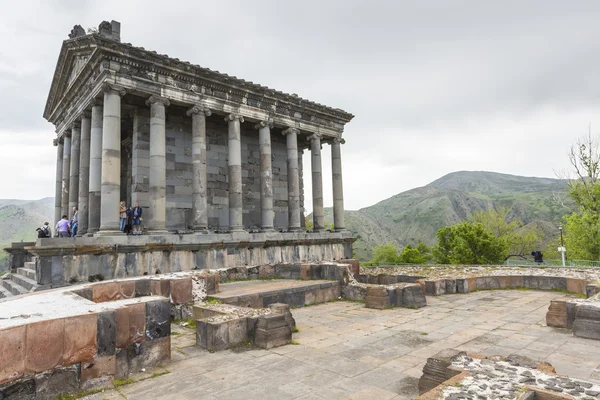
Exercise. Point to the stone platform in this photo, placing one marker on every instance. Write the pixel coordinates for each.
(262, 293)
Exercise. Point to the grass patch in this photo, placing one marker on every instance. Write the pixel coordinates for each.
(295, 330)
(245, 345)
(424, 333)
(156, 374)
(122, 382)
(78, 395)
(191, 323)
(211, 300)
(293, 342)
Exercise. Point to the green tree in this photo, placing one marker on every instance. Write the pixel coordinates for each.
(469, 243)
(385, 254)
(517, 239)
(582, 228)
(425, 252)
(411, 255)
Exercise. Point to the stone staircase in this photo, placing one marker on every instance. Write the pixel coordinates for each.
(20, 282)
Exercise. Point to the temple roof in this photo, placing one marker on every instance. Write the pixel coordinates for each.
(84, 52)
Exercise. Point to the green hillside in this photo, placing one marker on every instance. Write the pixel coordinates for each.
(20, 218)
(416, 215)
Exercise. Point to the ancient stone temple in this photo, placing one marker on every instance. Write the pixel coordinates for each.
(214, 161)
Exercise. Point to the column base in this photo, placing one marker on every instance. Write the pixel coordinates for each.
(296, 229)
(108, 233)
(268, 229)
(201, 231)
(155, 232)
(236, 229)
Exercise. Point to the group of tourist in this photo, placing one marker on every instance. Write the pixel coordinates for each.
(130, 220)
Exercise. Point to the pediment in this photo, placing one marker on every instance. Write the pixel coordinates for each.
(72, 61)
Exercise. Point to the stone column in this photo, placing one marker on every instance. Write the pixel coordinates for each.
(266, 176)
(84, 173)
(74, 170)
(111, 160)
(199, 180)
(317, 182)
(58, 186)
(157, 189)
(64, 205)
(301, 188)
(95, 180)
(293, 179)
(338, 189)
(234, 146)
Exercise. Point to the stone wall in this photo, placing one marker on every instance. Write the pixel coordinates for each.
(179, 171)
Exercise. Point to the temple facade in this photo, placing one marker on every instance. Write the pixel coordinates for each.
(199, 150)
(214, 161)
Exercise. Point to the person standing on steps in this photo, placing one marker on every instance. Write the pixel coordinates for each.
(122, 215)
(136, 218)
(62, 227)
(74, 222)
(45, 229)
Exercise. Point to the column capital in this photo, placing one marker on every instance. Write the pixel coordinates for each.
(110, 88)
(86, 114)
(76, 125)
(94, 101)
(289, 130)
(67, 133)
(315, 136)
(199, 109)
(233, 116)
(268, 123)
(158, 99)
(338, 140)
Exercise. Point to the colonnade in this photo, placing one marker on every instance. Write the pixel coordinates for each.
(88, 170)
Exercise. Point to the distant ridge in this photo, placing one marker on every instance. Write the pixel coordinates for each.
(417, 214)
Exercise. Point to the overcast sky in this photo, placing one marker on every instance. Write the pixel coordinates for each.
(436, 86)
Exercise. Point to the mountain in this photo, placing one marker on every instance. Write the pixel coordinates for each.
(417, 214)
(20, 218)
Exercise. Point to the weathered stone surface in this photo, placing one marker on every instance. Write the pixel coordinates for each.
(127, 289)
(287, 271)
(284, 309)
(62, 380)
(142, 287)
(354, 292)
(212, 283)
(98, 367)
(150, 353)
(591, 290)
(450, 285)
(438, 369)
(435, 287)
(181, 291)
(354, 266)
(106, 291)
(44, 345)
(158, 319)
(413, 297)
(80, 338)
(557, 313)
(266, 271)
(272, 331)
(12, 353)
(137, 323)
(215, 336)
(160, 287)
(576, 285)
(106, 333)
(23, 389)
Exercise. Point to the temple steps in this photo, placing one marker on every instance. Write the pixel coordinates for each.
(20, 282)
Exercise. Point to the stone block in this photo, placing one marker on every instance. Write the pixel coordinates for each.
(545, 282)
(237, 273)
(201, 312)
(462, 285)
(122, 327)
(557, 313)
(450, 286)
(585, 328)
(44, 345)
(571, 313)
(385, 279)
(158, 319)
(106, 291)
(237, 331)
(219, 335)
(435, 287)
(377, 302)
(516, 281)
(591, 290)
(80, 338)
(413, 297)
(181, 291)
(62, 380)
(284, 309)
(362, 278)
(373, 279)
(287, 271)
(127, 289)
(151, 353)
(212, 284)
(354, 266)
(87, 293)
(142, 287)
(98, 367)
(272, 331)
(438, 369)
(305, 271)
(250, 301)
(353, 292)
(23, 389)
(316, 271)
(121, 364)
(137, 323)
(106, 333)
(160, 287)
(588, 311)
(12, 353)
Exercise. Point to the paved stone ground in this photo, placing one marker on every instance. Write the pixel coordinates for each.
(348, 351)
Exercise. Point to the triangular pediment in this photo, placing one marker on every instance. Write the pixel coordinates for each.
(72, 60)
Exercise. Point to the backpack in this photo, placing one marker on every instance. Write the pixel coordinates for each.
(46, 230)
